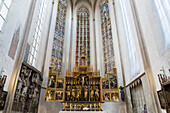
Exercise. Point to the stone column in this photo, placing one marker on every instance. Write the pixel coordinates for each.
(153, 106)
(67, 40)
(95, 54)
(71, 41)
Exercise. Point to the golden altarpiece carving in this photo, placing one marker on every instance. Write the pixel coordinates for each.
(82, 89)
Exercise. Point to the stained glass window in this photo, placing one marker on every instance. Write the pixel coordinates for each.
(83, 35)
(58, 40)
(108, 51)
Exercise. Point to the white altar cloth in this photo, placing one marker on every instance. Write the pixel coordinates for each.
(82, 112)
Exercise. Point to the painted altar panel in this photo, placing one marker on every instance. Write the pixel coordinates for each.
(55, 88)
(82, 88)
(110, 89)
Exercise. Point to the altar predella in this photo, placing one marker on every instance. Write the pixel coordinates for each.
(82, 89)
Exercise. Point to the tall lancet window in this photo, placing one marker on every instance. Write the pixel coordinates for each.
(83, 35)
(33, 53)
(108, 51)
(58, 40)
(163, 11)
(134, 66)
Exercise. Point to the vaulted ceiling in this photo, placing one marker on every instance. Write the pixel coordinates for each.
(92, 3)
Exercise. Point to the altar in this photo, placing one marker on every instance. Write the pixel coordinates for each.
(82, 112)
(82, 90)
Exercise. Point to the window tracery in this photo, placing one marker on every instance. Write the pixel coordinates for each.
(83, 35)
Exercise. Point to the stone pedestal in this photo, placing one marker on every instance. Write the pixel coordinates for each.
(82, 112)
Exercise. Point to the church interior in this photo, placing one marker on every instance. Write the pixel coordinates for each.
(84, 56)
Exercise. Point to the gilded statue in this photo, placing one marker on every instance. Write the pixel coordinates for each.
(78, 81)
(86, 95)
(68, 95)
(97, 94)
(92, 95)
(49, 96)
(73, 94)
(78, 94)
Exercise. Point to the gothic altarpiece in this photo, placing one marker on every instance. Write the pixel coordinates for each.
(82, 89)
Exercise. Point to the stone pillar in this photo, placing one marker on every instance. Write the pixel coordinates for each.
(71, 44)
(67, 40)
(121, 61)
(71, 39)
(95, 54)
(153, 106)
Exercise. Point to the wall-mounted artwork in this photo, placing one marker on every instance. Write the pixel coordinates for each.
(14, 43)
(28, 89)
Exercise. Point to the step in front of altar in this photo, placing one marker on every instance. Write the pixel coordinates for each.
(82, 112)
